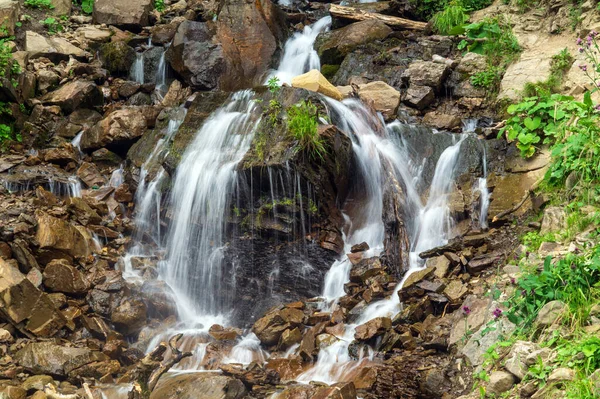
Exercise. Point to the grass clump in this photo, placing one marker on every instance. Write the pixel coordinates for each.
(559, 66)
(302, 124)
(443, 22)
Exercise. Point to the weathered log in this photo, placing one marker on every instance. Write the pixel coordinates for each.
(355, 14)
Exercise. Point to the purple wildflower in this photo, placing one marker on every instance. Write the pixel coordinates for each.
(593, 33)
(581, 49)
(589, 41)
(583, 67)
(513, 281)
(466, 310)
(497, 313)
(524, 293)
(579, 41)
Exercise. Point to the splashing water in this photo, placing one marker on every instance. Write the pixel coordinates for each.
(298, 55)
(161, 74)
(137, 70)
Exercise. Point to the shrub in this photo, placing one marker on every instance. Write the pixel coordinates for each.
(445, 21)
(41, 4)
(303, 126)
(488, 79)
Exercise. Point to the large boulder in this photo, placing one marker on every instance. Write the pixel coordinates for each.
(59, 235)
(130, 316)
(373, 328)
(196, 56)
(335, 45)
(554, 220)
(231, 53)
(56, 360)
(117, 57)
(127, 14)
(22, 304)
(313, 80)
(60, 276)
(9, 15)
(75, 95)
(54, 48)
(121, 127)
(195, 385)
(270, 328)
(384, 97)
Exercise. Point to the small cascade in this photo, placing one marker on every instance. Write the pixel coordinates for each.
(71, 188)
(246, 351)
(116, 177)
(137, 70)
(469, 126)
(76, 142)
(299, 56)
(161, 75)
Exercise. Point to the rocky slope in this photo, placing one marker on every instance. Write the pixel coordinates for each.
(89, 103)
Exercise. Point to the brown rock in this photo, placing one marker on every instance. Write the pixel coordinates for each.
(221, 333)
(90, 175)
(130, 316)
(127, 14)
(56, 360)
(289, 338)
(373, 328)
(74, 95)
(58, 234)
(120, 127)
(382, 96)
(60, 276)
(288, 369)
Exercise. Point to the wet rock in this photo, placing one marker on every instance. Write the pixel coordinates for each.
(187, 386)
(117, 57)
(517, 357)
(57, 234)
(289, 338)
(90, 175)
(419, 97)
(221, 333)
(340, 390)
(127, 14)
(417, 277)
(288, 369)
(56, 49)
(119, 128)
(61, 155)
(426, 73)
(55, 360)
(554, 220)
(335, 45)
(37, 382)
(373, 328)
(440, 264)
(59, 276)
(130, 316)
(500, 382)
(12, 392)
(315, 81)
(74, 95)
(383, 97)
(363, 246)
(366, 269)
(270, 327)
(9, 15)
(550, 313)
(442, 121)
(23, 304)
(82, 211)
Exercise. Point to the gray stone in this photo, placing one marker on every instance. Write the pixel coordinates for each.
(426, 73)
(500, 382)
(561, 374)
(128, 14)
(419, 97)
(483, 339)
(189, 386)
(516, 361)
(555, 220)
(550, 313)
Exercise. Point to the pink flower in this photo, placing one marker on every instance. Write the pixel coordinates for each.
(579, 41)
(466, 310)
(497, 313)
(593, 33)
(583, 67)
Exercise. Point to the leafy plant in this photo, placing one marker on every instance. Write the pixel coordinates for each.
(87, 6)
(452, 16)
(303, 125)
(583, 354)
(7, 63)
(40, 4)
(159, 5)
(487, 79)
(273, 85)
(52, 25)
(573, 280)
(7, 134)
(492, 37)
(535, 118)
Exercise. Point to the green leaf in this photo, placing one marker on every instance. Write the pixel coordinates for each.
(587, 99)
(532, 124)
(87, 6)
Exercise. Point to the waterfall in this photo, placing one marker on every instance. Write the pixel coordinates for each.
(298, 54)
(376, 152)
(137, 70)
(200, 198)
(484, 193)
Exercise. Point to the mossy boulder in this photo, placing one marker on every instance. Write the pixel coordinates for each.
(117, 57)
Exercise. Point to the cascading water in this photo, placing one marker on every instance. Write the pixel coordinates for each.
(469, 126)
(137, 70)
(161, 74)
(376, 152)
(298, 55)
